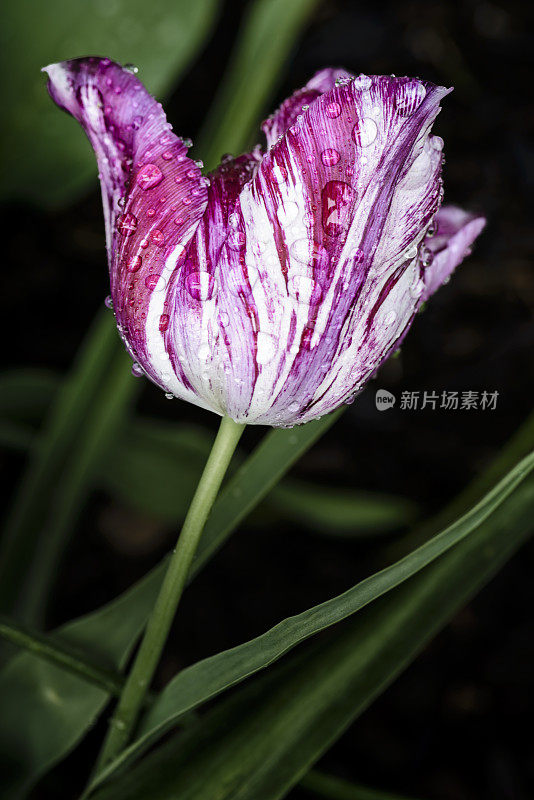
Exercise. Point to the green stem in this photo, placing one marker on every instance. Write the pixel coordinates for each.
(62, 655)
(159, 623)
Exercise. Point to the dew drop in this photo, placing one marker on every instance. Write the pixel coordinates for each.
(265, 348)
(287, 213)
(362, 82)
(108, 302)
(169, 396)
(409, 97)
(305, 290)
(279, 174)
(204, 352)
(390, 318)
(155, 282)
(411, 252)
(149, 176)
(163, 322)
(333, 110)
(236, 240)
(200, 285)
(127, 224)
(365, 132)
(137, 370)
(157, 237)
(337, 198)
(134, 264)
(131, 68)
(330, 157)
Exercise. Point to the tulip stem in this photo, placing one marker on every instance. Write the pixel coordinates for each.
(140, 677)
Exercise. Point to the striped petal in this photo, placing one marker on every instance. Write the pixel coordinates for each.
(333, 221)
(154, 197)
(455, 232)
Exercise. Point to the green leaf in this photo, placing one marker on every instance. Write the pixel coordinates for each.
(46, 710)
(25, 394)
(155, 467)
(199, 683)
(100, 427)
(65, 422)
(344, 512)
(44, 694)
(332, 788)
(45, 156)
(52, 649)
(263, 740)
(266, 37)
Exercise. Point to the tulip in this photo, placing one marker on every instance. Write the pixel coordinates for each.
(271, 291)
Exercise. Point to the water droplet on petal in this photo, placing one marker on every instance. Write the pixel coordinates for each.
(108, 302)
(200, 285)
(163, 322)
(155, 283)
(168, 155)
(157, 237)
(134, 264)
(362, 82)
(390, 318)
(305, 290)
(427, 257)
(287, 213)
(131, 68)
(137, 370)
(409, 97)
(365, 132)
(169, 396)
(411, 252)
(127, 224)
(279, 174)
(437, 143)
(337, 198)
(236, 239)
(149, 176)
(266, 348)
(333, 110)
(330, 157)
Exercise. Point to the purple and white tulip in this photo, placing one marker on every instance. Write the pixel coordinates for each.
(273, 290)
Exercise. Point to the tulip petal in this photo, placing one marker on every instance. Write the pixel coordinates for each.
(338, 209)
(153, 195)
(285, 116)
(456, 230)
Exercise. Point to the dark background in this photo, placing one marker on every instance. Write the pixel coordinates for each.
(453, 726)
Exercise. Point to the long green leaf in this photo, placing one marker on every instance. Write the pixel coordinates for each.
(46, 710)
(103, 421)
(267, 34)
(65, 420)
(202, 681)
(45, 696)
(71, 659)
(263, 740)
(45, 156)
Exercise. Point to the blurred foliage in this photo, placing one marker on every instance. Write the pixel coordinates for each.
(258, 743)
(45, 157)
